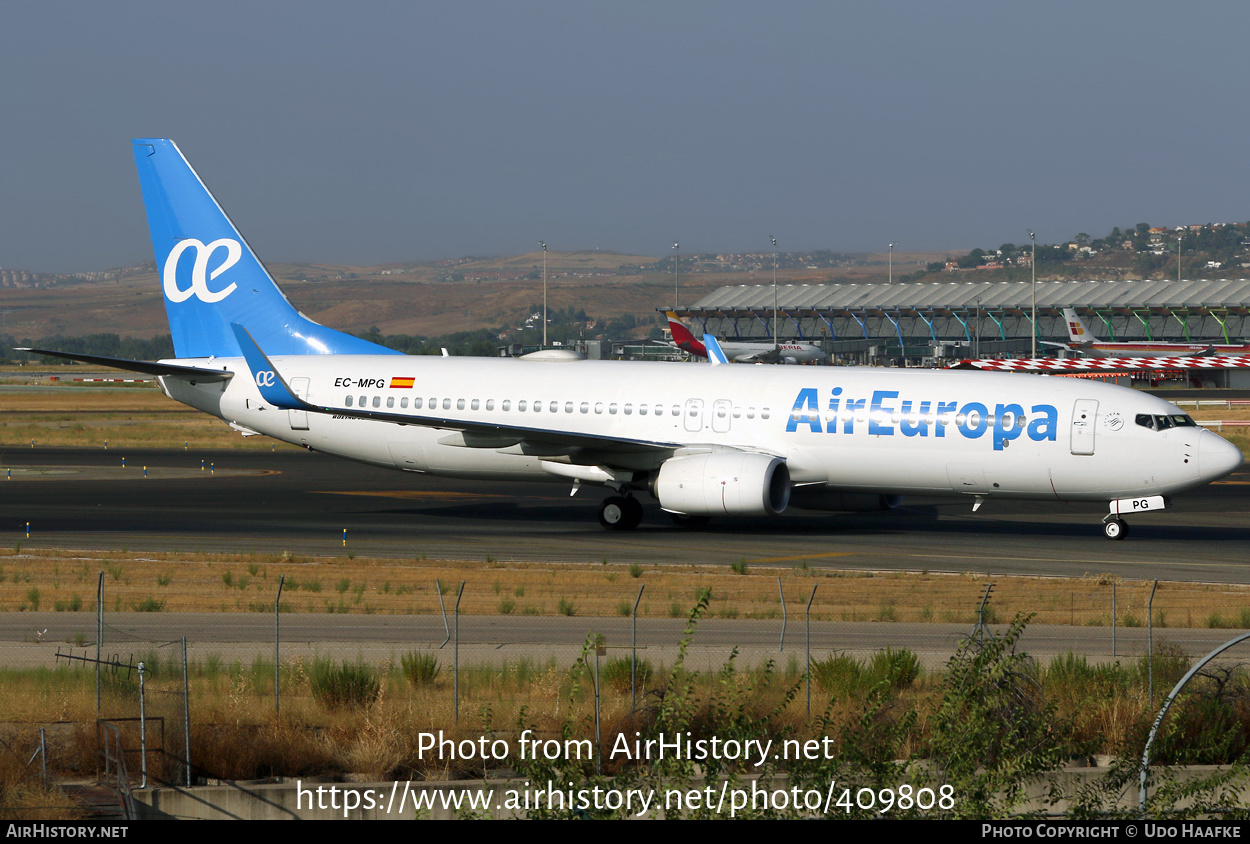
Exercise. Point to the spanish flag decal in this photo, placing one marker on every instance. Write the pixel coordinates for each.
(402, 383)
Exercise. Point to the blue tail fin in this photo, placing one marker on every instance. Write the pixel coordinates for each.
(210, 276)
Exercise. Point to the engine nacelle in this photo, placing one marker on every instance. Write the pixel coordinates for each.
(724, 483)
(807, 498)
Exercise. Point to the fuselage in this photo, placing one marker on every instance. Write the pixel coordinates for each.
(888, 431)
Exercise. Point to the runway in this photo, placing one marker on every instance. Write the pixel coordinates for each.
(302, 502)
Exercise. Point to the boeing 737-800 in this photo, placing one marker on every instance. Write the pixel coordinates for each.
(703, 440)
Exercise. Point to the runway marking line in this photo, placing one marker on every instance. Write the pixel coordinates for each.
(804, 557)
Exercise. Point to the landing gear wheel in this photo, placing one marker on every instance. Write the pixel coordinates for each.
(1115, 528)
(620, 513)
(682, 520)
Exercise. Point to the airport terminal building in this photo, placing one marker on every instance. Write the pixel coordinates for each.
(926, 323)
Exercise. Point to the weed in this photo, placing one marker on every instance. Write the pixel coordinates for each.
(149, 604)
(344, 685)
(419, 669)
(616, 673)
(738, 566)
(163, 579)
(635, 570)
(32, 596)
(566, 607)
(343, 585)
(506, 607)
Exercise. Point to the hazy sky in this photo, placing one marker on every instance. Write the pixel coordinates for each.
(369, 132)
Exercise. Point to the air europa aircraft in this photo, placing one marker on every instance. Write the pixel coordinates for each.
(703, 440)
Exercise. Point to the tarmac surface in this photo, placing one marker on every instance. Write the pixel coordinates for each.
(260, 501)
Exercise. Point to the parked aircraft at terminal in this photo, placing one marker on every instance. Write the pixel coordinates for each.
(1081, 339)
(702, 440)
(743, 352)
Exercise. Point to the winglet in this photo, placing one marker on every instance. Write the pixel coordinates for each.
(273, 388)
(715, 355)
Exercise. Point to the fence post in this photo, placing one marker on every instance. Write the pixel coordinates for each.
(99, 637)
(186, 714)
(781, 646)
(456, 647)
(438, 588)
(633, 665)
(1150, 641)
(277, 706)
(143, 734)
(807, 622)
(1113, 619)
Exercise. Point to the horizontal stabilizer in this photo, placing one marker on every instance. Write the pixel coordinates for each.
(145, 366)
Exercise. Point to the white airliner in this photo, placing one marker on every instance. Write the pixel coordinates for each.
(740, 352)
(1081, 339)
(702, 440)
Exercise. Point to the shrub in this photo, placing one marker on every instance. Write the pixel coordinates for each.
(420, 669)
(615, 673)
(342, 685)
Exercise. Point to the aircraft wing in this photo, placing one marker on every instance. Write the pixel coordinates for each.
(527, 440)
(767, 356)
(145, 366)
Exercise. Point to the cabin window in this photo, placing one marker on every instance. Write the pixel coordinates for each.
(737, 412)
(764, 413)
(417, 403)
(507, 404)
(629, 409)
(642, 410)
(459, 404)
(433, 403)
(585, 407)
(568, 407)
(364, 401)
(522, 404)
(403, 402)
(598, 407)
(349, 404)
(612, 408)
(677, 410)
(446, 404)
(554, 407)
(475, 404)
(490, 404)
(390, 401)
(377, 401)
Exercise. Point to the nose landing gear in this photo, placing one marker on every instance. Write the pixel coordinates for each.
(620, 512)
(1115, 528)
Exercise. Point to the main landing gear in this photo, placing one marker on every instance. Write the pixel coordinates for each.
(620, 512)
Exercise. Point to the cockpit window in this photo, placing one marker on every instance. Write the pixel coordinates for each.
(1162, 423)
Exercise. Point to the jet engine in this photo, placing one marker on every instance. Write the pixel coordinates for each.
(724, 483)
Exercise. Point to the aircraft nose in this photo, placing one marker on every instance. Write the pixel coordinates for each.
(1217, 457)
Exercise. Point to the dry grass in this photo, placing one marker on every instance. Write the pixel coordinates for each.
(65, 580)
